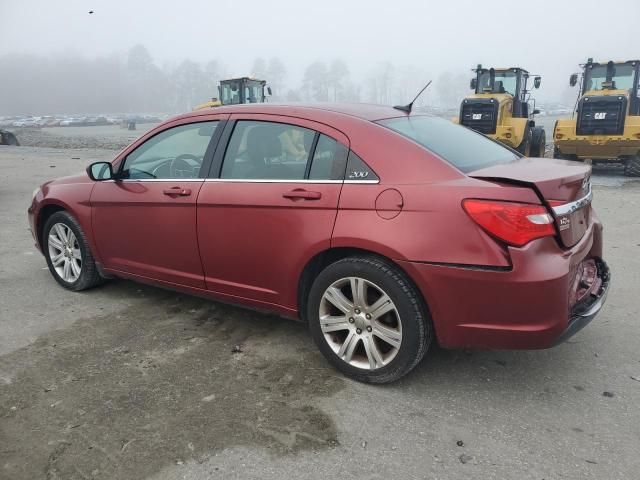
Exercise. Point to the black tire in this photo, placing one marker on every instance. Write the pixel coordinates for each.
(416, 326)
(538, 142)
(89, 276)
(557, 153)
(9, 138)
(632, 167)
(561, 156)
(525, 146)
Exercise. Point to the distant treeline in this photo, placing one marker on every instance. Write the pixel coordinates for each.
(73, 84)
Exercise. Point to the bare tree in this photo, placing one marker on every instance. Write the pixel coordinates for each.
(316, 82)
(276, 73)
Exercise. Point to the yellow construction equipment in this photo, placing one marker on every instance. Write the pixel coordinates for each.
(238, 90)
(606, 123)
(501, 107)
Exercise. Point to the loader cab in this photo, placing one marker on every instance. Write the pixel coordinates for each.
(243, 90)
(604, 78)
(511, 81)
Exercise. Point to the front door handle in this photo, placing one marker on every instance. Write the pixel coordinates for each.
(300, 194)
(177, 192)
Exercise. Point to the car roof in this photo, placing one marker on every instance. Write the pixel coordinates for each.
(364, 111)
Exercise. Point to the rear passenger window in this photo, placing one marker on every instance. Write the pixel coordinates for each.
(329, 160)
(358, 170)
(267, 151)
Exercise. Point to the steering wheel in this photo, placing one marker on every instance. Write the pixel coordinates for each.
(184, 166)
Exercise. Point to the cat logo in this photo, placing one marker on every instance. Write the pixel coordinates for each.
(476, 116)
(600, 115)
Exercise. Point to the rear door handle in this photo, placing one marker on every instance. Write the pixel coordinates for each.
(300, 194)
(177, 192)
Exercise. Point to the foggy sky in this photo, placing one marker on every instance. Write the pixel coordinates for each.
(546, 37)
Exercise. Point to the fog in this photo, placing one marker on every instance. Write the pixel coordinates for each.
(160, 56)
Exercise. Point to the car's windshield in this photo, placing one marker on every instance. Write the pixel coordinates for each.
(460, 146)
(505, 82)
(622, 77)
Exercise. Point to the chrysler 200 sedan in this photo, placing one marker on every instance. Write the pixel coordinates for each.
(383, 230)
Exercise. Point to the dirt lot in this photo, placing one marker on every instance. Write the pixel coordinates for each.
(127, 381)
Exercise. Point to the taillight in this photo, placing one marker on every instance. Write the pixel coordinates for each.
(514, 223)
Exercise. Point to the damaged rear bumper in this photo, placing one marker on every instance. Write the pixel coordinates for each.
(586, 311)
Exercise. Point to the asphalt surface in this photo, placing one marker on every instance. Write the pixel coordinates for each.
(129, 381)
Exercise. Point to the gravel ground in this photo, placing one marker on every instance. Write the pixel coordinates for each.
(109, 137)
(129, 381)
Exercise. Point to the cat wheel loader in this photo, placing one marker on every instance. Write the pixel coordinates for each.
(501, 107)
(239, 90)
(605, 126)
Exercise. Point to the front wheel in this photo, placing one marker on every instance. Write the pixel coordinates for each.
(632, 166)
(368, 320)
(525, 146)
(67, 253)
(538, 142)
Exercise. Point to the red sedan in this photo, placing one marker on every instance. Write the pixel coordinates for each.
(382, 230)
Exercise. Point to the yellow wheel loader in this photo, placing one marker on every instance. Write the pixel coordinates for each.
(605, 126)
(501, 107)
(238, 90)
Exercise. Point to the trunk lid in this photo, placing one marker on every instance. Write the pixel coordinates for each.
(565, 186)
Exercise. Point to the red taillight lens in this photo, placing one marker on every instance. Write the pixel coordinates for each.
(514, 223)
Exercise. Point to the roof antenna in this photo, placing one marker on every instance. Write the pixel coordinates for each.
(407, 108)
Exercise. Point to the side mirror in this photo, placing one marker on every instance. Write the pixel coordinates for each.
(536, 82)
(573, 79)
(269, 91)
(473, 83)
(536, 111)
(100, 171)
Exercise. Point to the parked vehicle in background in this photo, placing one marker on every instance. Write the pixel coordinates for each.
(502, 109)
(25, 122)
(606, 127)
(380, 229)
(73, 122)
(236, 91)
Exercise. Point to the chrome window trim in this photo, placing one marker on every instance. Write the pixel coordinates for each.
(132, 180)
(259, 180)
(569, 208)
(238, 180)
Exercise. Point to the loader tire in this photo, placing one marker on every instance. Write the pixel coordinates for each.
(538, 142)
(525, 146)
(632, 167)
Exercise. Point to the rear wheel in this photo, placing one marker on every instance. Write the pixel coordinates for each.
(67, 253)
(525, 146)
(538, 142)
(632, 167)
(368, 320)
(559, 155)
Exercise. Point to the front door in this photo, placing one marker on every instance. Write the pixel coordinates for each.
(144, 222)
(270, 207)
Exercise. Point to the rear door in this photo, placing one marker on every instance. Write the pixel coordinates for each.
(144, 222)
(269, 205)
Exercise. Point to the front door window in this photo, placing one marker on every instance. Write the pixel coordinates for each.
(172, 154)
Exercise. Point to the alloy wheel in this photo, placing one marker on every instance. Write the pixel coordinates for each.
(64, 252)
(360, 323)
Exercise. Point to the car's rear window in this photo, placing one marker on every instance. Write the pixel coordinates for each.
(465, 149)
